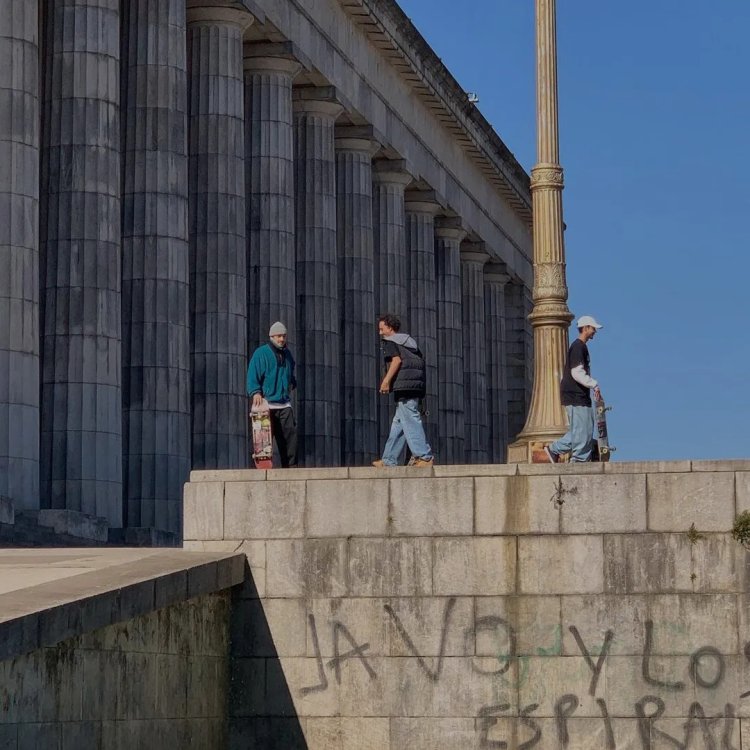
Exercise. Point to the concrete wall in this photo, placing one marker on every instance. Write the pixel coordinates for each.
(485, 606)
(158, 680)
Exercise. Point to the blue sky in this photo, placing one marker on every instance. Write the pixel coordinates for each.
(654, 127)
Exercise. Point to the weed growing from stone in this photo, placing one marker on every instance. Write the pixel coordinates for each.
(693, 534)
(741, 529)
(558, 499)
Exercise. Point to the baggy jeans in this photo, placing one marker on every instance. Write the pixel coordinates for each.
(578, 440)
(406, 429)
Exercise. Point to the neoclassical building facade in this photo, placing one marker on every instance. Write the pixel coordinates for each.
(175, 176)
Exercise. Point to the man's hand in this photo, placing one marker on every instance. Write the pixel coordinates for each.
(597, 394)
(257, 400)
(385, 386)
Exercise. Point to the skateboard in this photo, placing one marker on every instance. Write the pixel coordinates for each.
(260, 425)
(602, 449)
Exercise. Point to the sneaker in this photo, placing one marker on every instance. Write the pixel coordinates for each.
(551, 455)
(423, 462)
(379, 463)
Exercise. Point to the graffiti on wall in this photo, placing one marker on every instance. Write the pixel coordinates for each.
(706, 667)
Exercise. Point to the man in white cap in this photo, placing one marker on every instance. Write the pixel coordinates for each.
(270, 376)
(575, 395)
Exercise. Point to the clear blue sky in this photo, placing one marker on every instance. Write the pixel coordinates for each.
(654, 130)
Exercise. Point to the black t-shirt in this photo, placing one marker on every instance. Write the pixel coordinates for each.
(391, 350)
(572, 393)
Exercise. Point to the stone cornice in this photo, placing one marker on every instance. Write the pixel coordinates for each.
(399, 40)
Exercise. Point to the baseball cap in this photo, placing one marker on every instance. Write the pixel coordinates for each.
(587, 320)
(277, 329)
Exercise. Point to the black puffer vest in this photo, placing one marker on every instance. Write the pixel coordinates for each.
(411, 375)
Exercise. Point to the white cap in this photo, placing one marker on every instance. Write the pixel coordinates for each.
(587, 320)
(277, 329)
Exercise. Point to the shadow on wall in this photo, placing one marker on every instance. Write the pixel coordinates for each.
(261, 709)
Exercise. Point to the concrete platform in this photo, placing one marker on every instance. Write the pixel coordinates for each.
(50, 595)
(584, 606)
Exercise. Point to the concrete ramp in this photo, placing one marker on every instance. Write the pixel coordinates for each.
(114, 648)
(591, 607)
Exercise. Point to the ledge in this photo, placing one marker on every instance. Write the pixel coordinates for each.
(470, 470)
(52, 595)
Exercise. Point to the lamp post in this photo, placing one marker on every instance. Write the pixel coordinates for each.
(550, 317)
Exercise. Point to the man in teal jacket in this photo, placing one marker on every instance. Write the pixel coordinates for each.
(270, 376)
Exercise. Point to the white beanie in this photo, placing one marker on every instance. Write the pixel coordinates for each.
(277, 329)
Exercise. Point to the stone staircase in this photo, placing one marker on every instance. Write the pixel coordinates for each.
(52, 527)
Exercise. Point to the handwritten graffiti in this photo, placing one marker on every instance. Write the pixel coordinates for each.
(706, 669)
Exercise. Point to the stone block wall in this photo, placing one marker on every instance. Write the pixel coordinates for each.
(593, 607)
(157, 680)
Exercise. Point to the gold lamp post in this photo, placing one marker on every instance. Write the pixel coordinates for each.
(550, 317)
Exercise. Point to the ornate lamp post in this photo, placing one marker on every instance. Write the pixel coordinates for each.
(550, 317)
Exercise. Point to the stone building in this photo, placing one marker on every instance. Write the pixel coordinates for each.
(175, 176)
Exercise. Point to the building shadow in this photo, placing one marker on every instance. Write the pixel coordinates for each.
(261, 710)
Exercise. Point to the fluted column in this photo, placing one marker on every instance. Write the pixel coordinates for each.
(318, 325)
(81, 436)
(476, 432)
(450, 354)
(550, 317)
(356, 273)
(390, 179)
(422, 318)
(495, 279)
(516, 356)
(19, 253)
(155, 270)
(269, 178)
(218, 279)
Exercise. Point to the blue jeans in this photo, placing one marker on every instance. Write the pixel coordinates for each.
(578, 440)
(406, 429)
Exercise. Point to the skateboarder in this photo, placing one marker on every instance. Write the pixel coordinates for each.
(270, 376)
(576, 398)
(405, 378)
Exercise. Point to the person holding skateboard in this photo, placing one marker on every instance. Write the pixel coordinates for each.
(406, 379)
(270, 376)
(575, 388)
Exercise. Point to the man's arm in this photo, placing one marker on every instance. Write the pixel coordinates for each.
(385, 385)
(255, 379)
(580, 376)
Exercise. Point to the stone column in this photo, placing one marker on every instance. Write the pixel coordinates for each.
(550, 317)
(269, 179)
(476, 441)
(19, 253)
(421, 208)
(218, 279)
(495, 279)
(390, 179)
(355, 148)
(450, 342)
(516, 356)
(318, 325)
(155, 269)
(81, 437)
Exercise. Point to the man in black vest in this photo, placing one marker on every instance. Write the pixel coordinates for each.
(405, 378)
(575, 396)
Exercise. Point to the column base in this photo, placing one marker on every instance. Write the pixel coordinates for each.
(530, 449)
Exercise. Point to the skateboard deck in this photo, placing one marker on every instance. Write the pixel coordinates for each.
(602, 449)
(260, 425)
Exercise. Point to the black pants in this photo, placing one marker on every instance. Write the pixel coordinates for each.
(284, 430)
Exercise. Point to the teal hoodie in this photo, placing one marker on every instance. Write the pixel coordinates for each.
(266, 376)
